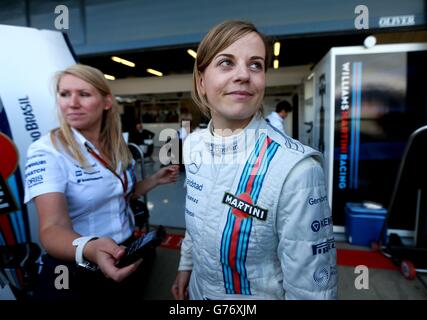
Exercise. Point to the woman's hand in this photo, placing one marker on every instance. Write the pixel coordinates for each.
(167, 175)
(164, 175)
(105, 253)
(179, 288)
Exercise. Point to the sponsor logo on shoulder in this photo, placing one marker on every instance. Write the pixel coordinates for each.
(323, 247)
(35, 163)
(33, 172)
(243, 207)
(316, 225)
(31, 182)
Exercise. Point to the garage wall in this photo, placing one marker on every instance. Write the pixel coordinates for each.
(99, 26)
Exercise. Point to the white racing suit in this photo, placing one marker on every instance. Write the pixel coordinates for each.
(257, 217)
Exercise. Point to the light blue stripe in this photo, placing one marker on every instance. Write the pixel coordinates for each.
(245, 283)
(229, 283)
(224, 252)
(224, 236)
(355, 106)
(241, 253)
(353, 116)
(359, 107)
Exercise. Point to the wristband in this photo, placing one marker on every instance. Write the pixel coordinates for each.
(80, 243)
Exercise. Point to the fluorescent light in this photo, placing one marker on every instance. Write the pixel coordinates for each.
(123, 61)
(108, 77)
(192, 53)
(155, 72)
(276, 64)
(310, 76)
(276, 49)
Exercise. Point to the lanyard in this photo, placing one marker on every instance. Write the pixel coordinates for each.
(109, 167)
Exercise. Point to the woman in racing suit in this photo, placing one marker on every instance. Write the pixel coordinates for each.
(258, 222)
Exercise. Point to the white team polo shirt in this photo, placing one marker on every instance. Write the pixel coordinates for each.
(95, 197)
(276, 121)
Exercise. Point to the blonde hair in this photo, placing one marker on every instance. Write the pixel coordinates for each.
(218, 39)
(111, 138)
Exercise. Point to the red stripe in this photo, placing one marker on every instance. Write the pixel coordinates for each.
(257, 164)
(7, 230)
(233, 253)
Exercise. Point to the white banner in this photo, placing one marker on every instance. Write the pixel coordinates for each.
(29, 59)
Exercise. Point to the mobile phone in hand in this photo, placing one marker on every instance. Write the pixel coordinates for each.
(139, 248)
